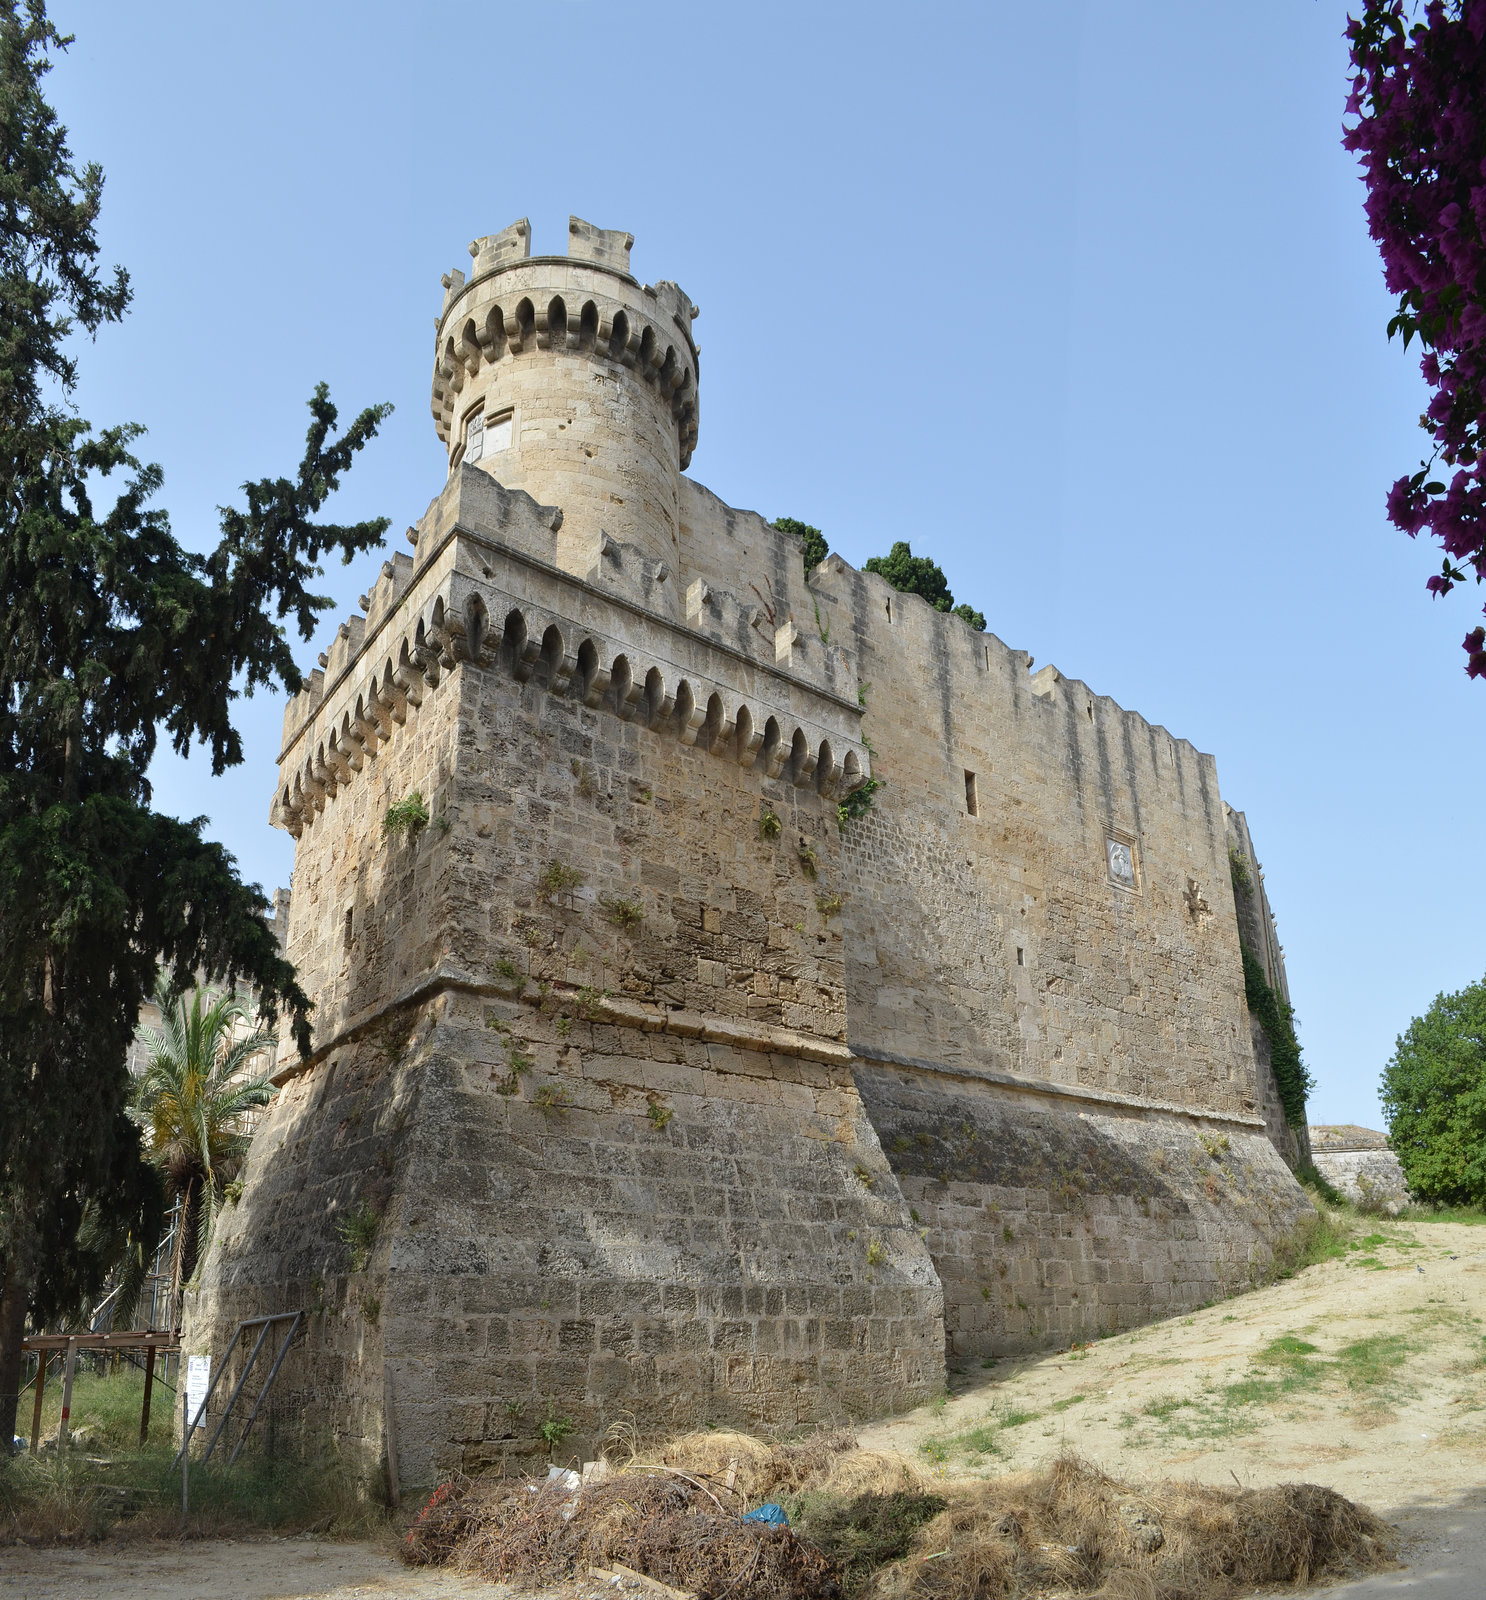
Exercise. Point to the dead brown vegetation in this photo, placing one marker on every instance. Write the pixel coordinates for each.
(868, 1526)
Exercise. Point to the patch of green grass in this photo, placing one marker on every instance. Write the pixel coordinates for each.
(1016, 1419)
(105, 1407)
(1372, 1363)
(982, 1440)
(1326, 1236)
(1371, 1263)
(1066, 1401)
(1469, 1216)
(1288, 1348)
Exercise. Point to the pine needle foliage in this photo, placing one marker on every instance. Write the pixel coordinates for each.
(923, 576)
(112, 632)
(813, 546)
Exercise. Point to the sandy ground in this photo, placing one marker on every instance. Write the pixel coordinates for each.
(1377, 1389)
(256, 1569)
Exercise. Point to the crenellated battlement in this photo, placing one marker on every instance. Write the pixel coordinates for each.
(483, 589)
(586, 303)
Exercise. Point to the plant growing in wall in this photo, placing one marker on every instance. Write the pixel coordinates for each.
(624, 914)
(769, 825)
(1238, 870)
(358, 1231)
(858, 803)
(1273, 1012)
(559, 878)
(1277, 1017)
(555, 1428)
(405, 819)
(809, 861)
(550, 1098)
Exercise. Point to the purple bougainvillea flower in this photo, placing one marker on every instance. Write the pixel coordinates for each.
(1416, 105)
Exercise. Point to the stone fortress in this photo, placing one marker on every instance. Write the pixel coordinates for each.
(654, 1076)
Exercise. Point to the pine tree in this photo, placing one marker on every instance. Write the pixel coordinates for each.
(111, 631)
(923, 576)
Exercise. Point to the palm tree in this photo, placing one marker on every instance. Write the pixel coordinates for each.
(190, 1102)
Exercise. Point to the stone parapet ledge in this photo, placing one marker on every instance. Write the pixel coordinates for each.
(755, 1037)
(1127, 1104)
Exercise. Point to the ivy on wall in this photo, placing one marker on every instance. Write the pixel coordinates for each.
(1277, 1017)
(1275, 1014)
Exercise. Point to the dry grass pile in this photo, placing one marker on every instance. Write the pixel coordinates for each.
(653, 1522)
(867, 1526)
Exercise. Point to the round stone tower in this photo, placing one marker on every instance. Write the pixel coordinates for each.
(565, 377)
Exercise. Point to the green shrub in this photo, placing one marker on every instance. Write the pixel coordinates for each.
(911, 574)
(1434, 1098)
(812, 539)
(858, 803)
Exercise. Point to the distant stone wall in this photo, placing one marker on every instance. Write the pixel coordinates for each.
(1372, 1179)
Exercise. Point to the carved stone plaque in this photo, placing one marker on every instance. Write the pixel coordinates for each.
(1121, 863)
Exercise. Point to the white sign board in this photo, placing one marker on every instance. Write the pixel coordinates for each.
(198, 1376)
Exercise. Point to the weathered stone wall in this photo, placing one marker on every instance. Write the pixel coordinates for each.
(1372, 1179)
(672, 1096)
(1051, 1221)
(621, 1164)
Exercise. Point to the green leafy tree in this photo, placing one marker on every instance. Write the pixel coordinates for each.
(111, 631)
(814, 541)
(1434, 1097)
(911, 574)
(196, 1087)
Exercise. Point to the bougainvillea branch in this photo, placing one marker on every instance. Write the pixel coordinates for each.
(1418, 97)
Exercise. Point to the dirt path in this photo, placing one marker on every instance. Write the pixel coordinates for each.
(223, 1569)
(1368, 1375)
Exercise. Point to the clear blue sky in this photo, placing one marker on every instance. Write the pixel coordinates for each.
(1076, 297)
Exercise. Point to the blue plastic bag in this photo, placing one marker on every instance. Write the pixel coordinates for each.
(771, 1515)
